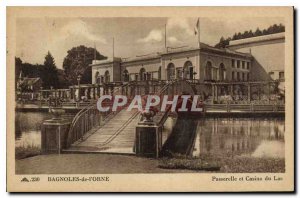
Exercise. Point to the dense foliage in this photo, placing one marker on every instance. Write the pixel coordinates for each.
(48, 72)
(77, 62)
(248, 34)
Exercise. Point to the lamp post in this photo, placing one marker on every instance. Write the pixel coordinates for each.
(194, 74)
(78, 84)
(51, 91)
(182, 74)
(41, 95)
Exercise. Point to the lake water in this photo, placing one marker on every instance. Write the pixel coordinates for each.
(218, 136)
(28, 128)
(240, 136)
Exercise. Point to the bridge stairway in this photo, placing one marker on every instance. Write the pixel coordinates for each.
(116, 136)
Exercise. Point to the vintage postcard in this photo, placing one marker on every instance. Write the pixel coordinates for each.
(150, 99)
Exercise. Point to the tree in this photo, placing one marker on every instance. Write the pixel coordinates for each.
(248, 34)
(251, 34)
(257, 32)
(234, 36)
(223, 42)
(281, 28)
(77, 62)
(49, 73)
(18, 65)
(27, 69)
(239, 36)
(245, 35)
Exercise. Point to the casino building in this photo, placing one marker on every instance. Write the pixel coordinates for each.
(204, 64)
(243, 69)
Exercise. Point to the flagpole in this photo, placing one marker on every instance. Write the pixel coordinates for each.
(199, 34)
(94, 51)
(113, 47)
(166, 37)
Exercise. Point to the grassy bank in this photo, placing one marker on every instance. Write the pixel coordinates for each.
(27, 151)
(189, 164)
(225, 164)
(252, 165)
(106, 163)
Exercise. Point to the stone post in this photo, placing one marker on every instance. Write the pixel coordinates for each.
(71, 93)
(269, 91)
(97, 92)
(217, 93)
(231, 90)
(148, 136)
(213, 93)
(148, 140)
(79, 93)
(86, 92)
(147, 87)
(54, 135)
(249, 92)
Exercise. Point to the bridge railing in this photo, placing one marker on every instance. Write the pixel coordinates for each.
(244, 108)
(89, 117)
(174, 87)
(83, 122)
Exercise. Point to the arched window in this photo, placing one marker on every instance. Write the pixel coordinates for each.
(97, 78)
(222, 72)
(188, 70)
(126, 75)
(142, 74)
(106, 76)
(208, 71)
(159, 73)
(179, 73)
(149, 76)
(171, 71)
(215, 73)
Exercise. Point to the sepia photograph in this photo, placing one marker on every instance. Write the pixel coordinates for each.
(98, 94)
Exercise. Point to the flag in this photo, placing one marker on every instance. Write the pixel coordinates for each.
(196, 29)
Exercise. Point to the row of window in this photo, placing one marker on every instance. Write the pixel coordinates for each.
(240, 76)
(142, 75)
(277, 75)
(240, 64)
(186, 72)
(139, 77)
(100, 79)
(215, 73)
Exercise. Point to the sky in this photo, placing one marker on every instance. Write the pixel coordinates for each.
(132, 36)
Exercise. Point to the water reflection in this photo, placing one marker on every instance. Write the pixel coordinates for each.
(28, 128)
(167, 128)
(216, 136)
(240, 136)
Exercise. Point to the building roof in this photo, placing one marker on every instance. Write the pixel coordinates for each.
(29, 81)
(142, 57)
(256, 39)
(203, 47)
(278, 70)
(106, 61)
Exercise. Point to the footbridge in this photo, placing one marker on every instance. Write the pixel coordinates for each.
(115, 132)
